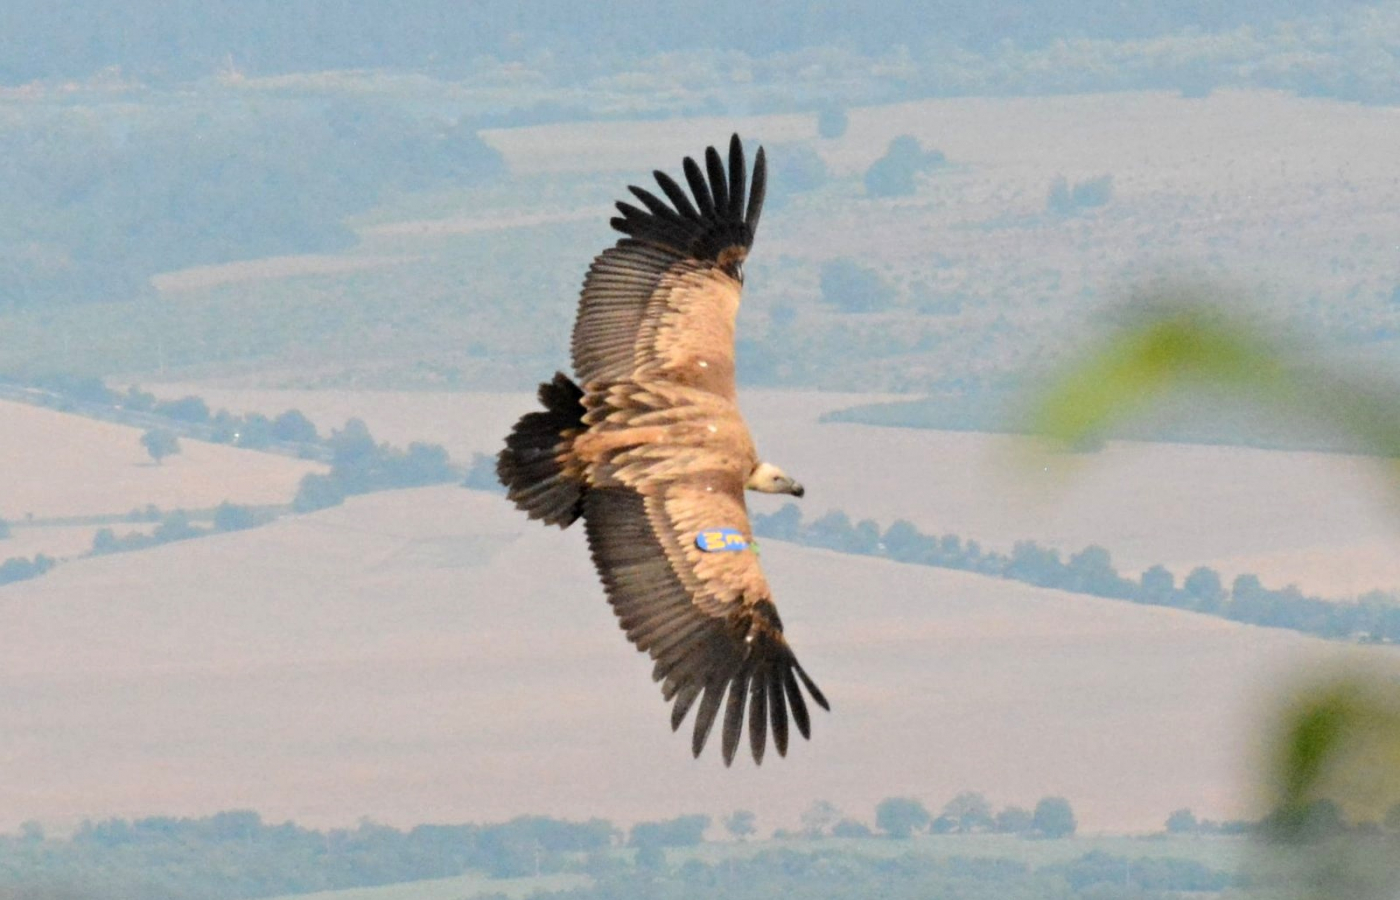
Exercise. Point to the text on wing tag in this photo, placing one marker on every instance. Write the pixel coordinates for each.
(720, 540)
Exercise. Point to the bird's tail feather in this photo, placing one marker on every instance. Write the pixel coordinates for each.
(534, 466)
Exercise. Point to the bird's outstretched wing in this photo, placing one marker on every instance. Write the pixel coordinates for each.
(662, 301)
(706, 618)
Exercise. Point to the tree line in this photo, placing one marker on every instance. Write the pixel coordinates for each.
(1373, 617)
(179, 525)
(359, 463)
(234, 855)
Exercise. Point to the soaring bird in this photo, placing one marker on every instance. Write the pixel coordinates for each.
(647, 445)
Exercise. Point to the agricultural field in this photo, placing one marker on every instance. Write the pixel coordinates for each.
(67, 476)
(983, 281)
(428, 655)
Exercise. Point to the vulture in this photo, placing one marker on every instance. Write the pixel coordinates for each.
(646, 444)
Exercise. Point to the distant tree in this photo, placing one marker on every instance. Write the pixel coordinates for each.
(423, 464)
(893, 175)
(186, 409)
(234, 518)
(818, 817)
(1014, 820)
(294, 427)
(1392, 819)
(105, 541)
(904, 542)
(22, 569)
(84, 388)
(1053, 818)
(1091, 572)
(160, 443)
(785, 524)
(1094, 192)
(1037, 565)
(900, 817)
(1066, 200)
(175, 526)
(254, 431)
(832, 531)
(865, 538)
(1319, 820)
(1247, 588)
(651, 858)
(234, 825)
(1204, 589)
(970, 811)
(943, 825)
(148, 513)
(854, 288)
(318, 492)
(352, 448)
(223, 427)
(1182, 821)
(138, 400)
(850, 828)
(1158, 586)
(4, 529)
(832, 122)
(683, 831)
(481, 475)
(740, 823)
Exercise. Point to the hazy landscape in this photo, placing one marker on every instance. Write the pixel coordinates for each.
(301, 598)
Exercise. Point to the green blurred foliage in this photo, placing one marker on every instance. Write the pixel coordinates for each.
(1332, 775)
(1173, 339)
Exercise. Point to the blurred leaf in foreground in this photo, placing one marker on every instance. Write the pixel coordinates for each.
(1336, 785)
(1334, 774)
(1177, 339)
(1339, 743)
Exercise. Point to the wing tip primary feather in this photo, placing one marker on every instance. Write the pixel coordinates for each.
(720, 210)
(771, 691)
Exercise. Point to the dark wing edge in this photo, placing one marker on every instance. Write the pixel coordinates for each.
(740, 662)
(719, 225)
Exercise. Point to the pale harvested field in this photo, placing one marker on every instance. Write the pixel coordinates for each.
(431, 656)
(1177, 504)
(1291, 196)
(593, 146)
(473, 224)
(1327, 522)
(57, 464)
(1146, 138)
(270, 268)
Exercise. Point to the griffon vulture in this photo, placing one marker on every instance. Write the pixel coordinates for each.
(647, 445)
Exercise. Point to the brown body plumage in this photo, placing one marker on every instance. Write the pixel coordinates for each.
(651, 451)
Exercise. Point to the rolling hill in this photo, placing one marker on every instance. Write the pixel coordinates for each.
(63, 470)
(428, 656)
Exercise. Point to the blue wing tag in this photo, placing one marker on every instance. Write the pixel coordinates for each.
(720, 540)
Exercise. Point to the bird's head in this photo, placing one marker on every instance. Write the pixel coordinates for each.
(770, 479)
